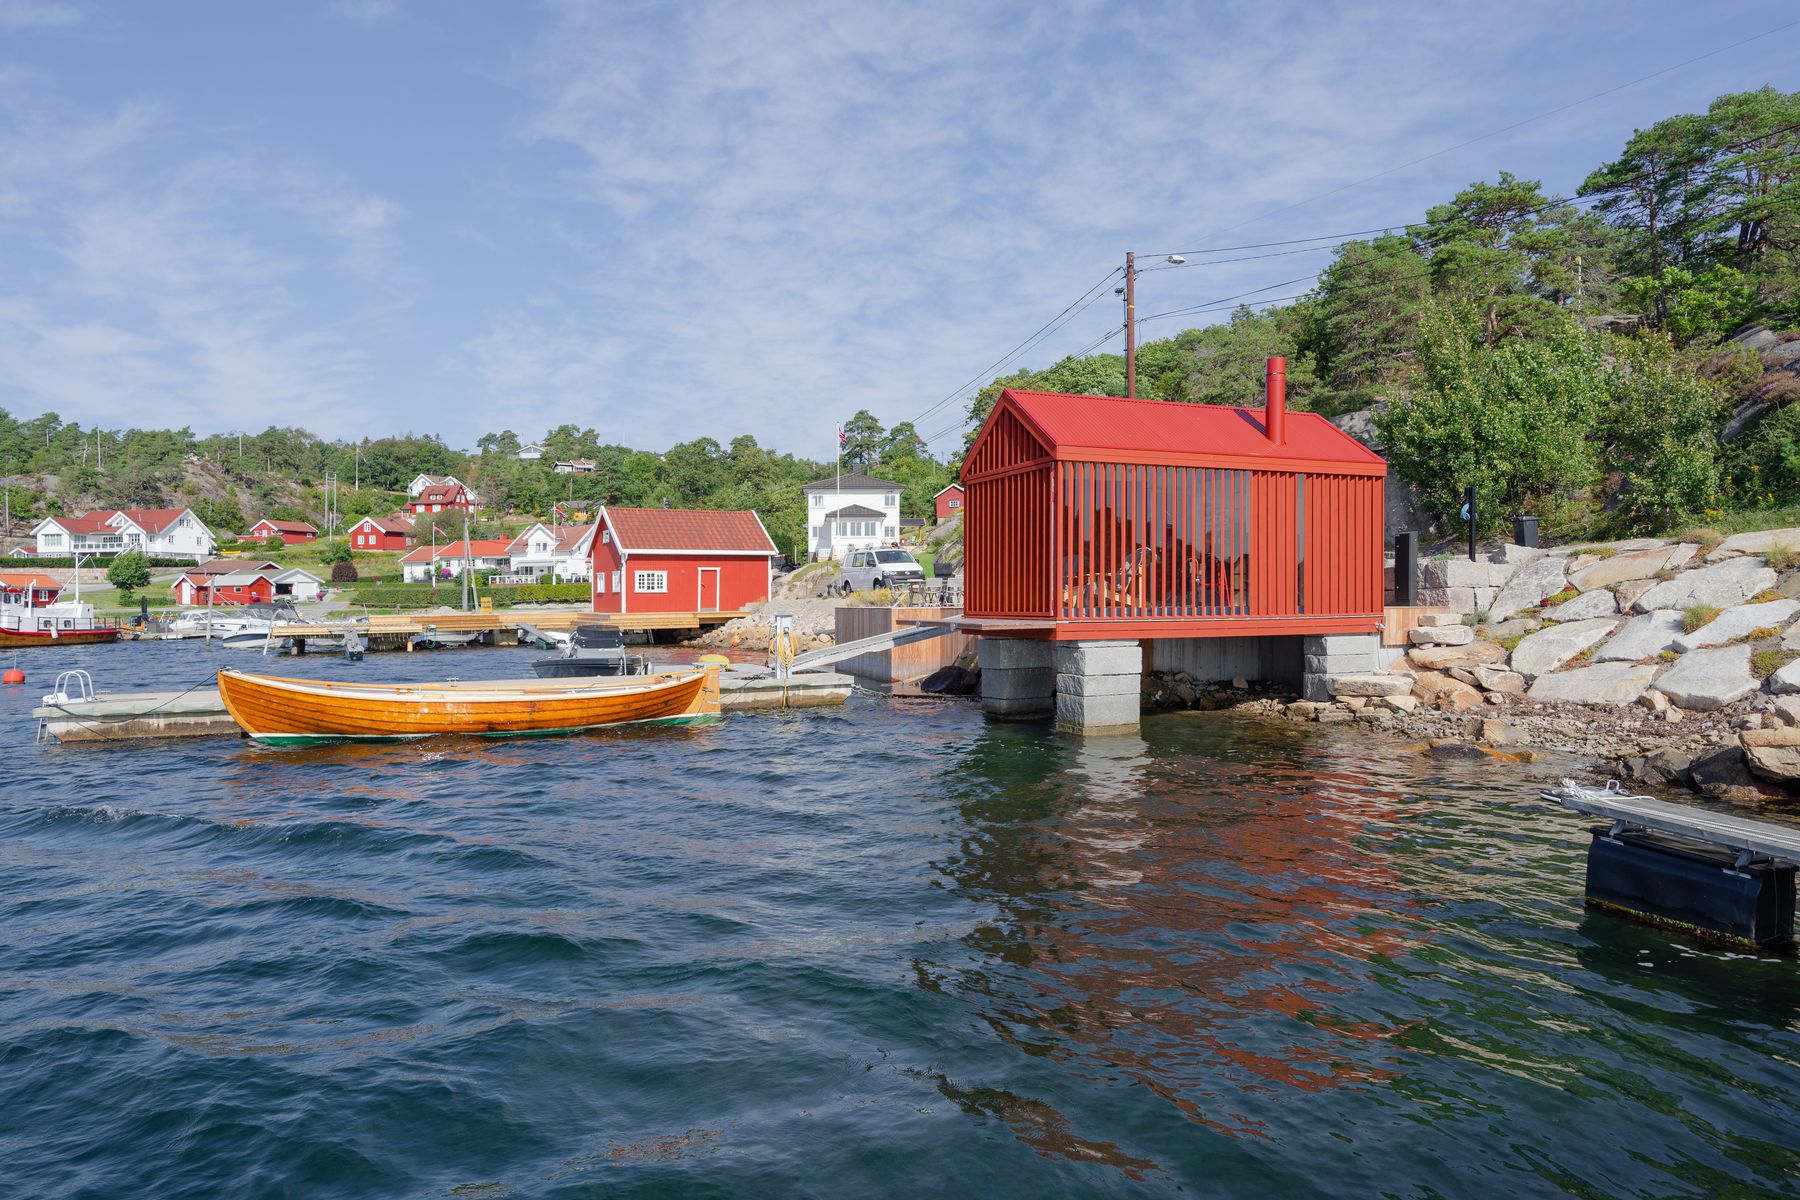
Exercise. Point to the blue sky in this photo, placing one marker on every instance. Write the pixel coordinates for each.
(668, 221)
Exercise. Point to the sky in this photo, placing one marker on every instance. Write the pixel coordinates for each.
(669, 221)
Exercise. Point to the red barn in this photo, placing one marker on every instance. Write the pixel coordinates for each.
(380, 533)
(442, 497)
(949, 502)
(1094, 517)
(290, 532)
(680, 560)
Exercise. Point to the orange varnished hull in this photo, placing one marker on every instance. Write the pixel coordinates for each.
(292, 711)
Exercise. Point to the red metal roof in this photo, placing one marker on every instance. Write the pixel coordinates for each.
(150, 520)
(284, 526)
(687, 529)
(1070, 426)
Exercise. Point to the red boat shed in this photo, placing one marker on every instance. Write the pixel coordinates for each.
(660, 560)
(290, 532)
(1094, 517)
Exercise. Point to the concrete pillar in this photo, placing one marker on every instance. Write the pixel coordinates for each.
(1098, 686)
(1338, 654)
(1018, 678)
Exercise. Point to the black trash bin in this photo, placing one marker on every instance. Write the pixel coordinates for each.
(1525, 531)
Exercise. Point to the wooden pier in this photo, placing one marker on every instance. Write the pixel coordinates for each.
(396, 631)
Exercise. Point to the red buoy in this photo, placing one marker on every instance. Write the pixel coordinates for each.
(13, 675)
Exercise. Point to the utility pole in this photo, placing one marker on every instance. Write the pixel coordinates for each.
(468, 561)
(1130, 325)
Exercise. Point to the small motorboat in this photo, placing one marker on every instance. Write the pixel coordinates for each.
(293, 712)
(442, 639)
(591, 650)
(353, 646)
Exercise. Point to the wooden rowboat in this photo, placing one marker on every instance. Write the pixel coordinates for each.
(293, 712)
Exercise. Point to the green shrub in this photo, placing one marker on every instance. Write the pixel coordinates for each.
(1694, 616)
(1764, 663)
(129, 572)
(343, 572)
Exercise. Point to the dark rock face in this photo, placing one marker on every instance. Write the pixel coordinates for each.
(1723, 775)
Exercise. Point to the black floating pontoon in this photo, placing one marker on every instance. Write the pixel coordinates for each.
(1676, 864)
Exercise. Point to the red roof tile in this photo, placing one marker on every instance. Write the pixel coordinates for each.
(479, 547)
(1115, 424)
(441, 493)
(284, 526)
(387, 525)
(687, 529)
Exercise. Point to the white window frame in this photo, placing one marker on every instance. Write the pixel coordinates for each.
(600, 583)
(53, 539)
(650, 583)
(618, 580)
(889, 500)
(818, 499)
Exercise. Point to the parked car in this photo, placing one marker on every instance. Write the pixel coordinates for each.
(866, 569)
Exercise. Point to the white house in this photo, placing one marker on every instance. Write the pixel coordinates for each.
(486, 556)
(563, 552)
(578, 466)
(530, 453)
(421, 482)
(157, 532)
(852, 512)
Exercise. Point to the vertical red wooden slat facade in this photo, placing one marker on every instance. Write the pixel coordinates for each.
(1091, 517)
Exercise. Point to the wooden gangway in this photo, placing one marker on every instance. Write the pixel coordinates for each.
(1749, 839)
(407, 624)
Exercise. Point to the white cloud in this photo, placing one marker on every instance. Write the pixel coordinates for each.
(145, 282)
(40, 14)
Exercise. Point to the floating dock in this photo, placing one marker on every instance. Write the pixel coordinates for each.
(1720, 875)
(147, 715)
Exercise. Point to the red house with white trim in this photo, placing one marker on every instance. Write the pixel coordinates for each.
(380, 533)
(442, 497)
(949, 502)
(680, 560)
(291, 533)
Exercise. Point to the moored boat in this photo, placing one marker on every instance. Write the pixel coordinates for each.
(26, 620)
(286, 712)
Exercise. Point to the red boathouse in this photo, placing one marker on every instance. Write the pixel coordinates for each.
(664, 560)
(1093, 517)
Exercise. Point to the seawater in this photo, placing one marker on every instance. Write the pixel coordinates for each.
(888, 950)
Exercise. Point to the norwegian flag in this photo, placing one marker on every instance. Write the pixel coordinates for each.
(842, 440)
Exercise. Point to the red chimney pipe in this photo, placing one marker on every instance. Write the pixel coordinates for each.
(1275, 405)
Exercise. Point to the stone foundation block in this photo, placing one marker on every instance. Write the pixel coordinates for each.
(1020, 706)
(1082, 714)
(1340, 643)
(1014, 684)
(1342, 664)
(1006, 654)
(1099, 658)
(1099, 685)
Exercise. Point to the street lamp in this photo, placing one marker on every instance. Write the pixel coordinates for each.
(1128, 290)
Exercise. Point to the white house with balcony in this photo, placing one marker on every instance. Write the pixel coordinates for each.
(563, 553)
(155, 532)
(851, 512)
